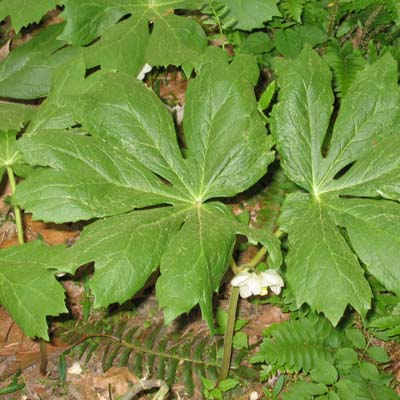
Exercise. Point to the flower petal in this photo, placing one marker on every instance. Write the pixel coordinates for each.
(271, 278)
(276, 289)
(241, 279)
(254, 284)
(244, 292)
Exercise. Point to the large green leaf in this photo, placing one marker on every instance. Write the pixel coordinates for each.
(13, 116)
(55, 112)
(88, 19)
(127, 45)
(175, 40)
(131, 158)
(95, 31)
(28, 287)
(322, 267)
(122, 47)
(322, 270)
(249, 14)
(26, 73)
(8, 151)
(23, 12)
(110, 181)
(373, 227)
(126, 248)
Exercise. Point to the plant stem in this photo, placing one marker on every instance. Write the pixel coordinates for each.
(20, 233)
(43, 356)
(228, 337)
(262, 252)
(17, 211)
(143, 350)
(332, 19)
(221, 32)
(257, 258)
(234, 267)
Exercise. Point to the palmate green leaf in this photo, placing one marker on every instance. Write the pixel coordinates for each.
(248, 14)
(8, 151)
(323, 271)
(322, 268)
(110, 181)
(24, 12)
(87, 20)
(26, 73)
(10, 157)
(13, 116)
(55, 112)
(122, 47)
(126, 46)
(28, 287)
(175, 40)
(94, 29)
(132, 159)
(376, 222)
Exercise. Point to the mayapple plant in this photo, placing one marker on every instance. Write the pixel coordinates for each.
(348, 211)
(152, 197)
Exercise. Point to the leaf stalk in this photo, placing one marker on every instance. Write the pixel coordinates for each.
(17, 210)
(228, 337)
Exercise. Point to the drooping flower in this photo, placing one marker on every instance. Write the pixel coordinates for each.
(271, 278)
(257, 283)
(146, 68)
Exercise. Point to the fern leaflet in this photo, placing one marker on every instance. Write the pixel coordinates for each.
(300, 344)
(294, 8)
(345, 63)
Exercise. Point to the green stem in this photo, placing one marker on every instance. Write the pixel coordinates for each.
(17, 211)
(221, 32)
(234, 267)
(332, 18)
(262, 252)
(233, 304)
(20, 233)
(257, 258)
(228, 337)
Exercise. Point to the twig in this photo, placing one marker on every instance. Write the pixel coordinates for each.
(147, 385)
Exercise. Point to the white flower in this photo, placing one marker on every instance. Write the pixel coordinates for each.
(257, 283)
(270, 278)
(254, 396)
(75, 369)
(146, 68)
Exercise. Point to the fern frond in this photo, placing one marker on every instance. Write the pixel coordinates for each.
(153, 351)
(348, 6)
(381, 11)
(216, 10)
(298, 345)
(345, 63)
(293, 8)
(385, 318)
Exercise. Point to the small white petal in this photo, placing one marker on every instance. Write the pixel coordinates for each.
(254, 284)
(271, 278)
(244, 292)
(179, 110)
(254, 396)
(75, 369)
(240, 279)
(276, 289)
(146, 68)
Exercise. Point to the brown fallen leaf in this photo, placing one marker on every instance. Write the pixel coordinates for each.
(119, 378)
